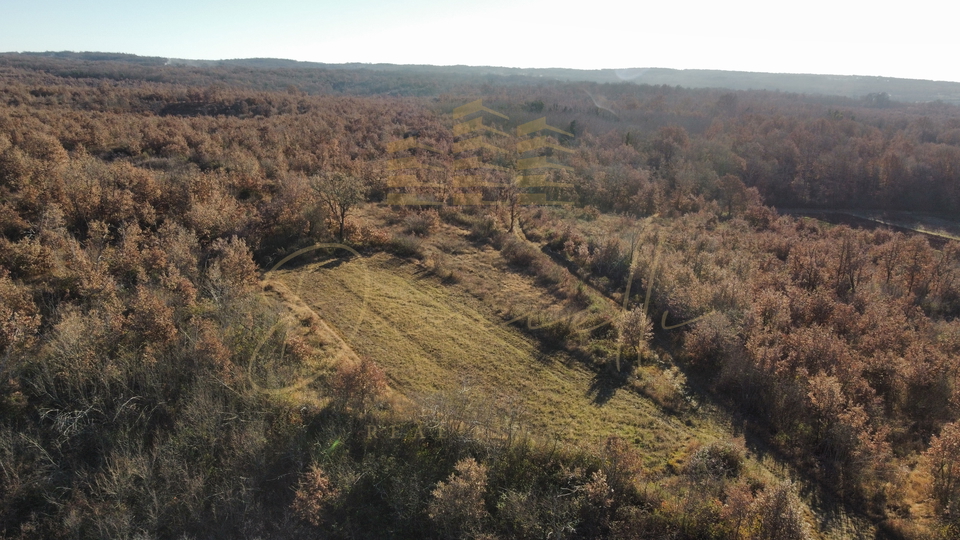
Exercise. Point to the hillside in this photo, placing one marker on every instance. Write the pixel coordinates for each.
(851, 86)
(878, 90)
(248, 302)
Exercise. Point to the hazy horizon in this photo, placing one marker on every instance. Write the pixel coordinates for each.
(836, 38)
(617, 70)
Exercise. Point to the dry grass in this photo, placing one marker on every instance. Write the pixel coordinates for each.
(434, 337)
(431, 339)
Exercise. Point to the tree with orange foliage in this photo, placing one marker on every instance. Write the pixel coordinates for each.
(943, 462)
(340, 192)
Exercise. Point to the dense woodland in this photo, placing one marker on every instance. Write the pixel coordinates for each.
(141, 203)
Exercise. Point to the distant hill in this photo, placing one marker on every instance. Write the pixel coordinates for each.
(880, 89)
(853, 86)
(100, 57)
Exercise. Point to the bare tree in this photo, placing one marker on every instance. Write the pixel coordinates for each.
(340, 192)
(511, 197)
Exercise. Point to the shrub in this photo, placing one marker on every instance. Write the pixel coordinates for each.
(484, 228)
(356, 385)
(406, 245)
(609, 259)
(717, 460)
(27, 259)
(634, 331)
(452, 245)
(453, 216)
(519, 253)
(710, 341)
(663, 387)
(19, 319)
(440, 267)
(621, 465)
(457, 505)
(314, 496)
(234, 264)
(590, 213)
(779, 515)
(151, 319)
(551, 327)
(737, 507)
(422, 223)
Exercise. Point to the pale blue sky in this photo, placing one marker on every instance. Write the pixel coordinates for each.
(817, 36)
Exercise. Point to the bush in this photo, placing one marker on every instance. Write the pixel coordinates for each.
(314, 496)
(779, 515)
(422, 223)
(439, 267)
(406, 245)
(457, 505)
(717, 460)
(484, 228)
(590, 213)
(663, 387)
(357, 386)
(453, 216)
(19, 318)
(710, 341)
(234, 264)
(520, 253)
(453, 245)
(634, 331)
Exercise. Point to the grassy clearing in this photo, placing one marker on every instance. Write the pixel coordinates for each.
(446, 339)
(432, 339)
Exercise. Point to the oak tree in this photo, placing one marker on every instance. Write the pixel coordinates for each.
(340, 192)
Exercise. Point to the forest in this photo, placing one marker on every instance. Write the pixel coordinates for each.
(144, 206)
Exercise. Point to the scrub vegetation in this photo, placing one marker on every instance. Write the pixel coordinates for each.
(214, 323)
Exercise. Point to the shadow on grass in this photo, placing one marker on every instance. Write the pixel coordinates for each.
(608, 381)
(321, 258)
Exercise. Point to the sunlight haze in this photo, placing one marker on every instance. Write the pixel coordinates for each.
(843, 38)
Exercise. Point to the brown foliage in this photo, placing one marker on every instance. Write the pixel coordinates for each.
(356, 386)
(458, 503)
(232, 265)
(943, 462)
(778, 515)
(314, 497)
(19, 316)
(151, 319)
(131, 212)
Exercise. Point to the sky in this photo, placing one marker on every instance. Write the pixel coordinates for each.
(916, 40)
